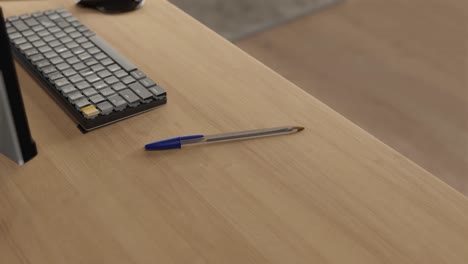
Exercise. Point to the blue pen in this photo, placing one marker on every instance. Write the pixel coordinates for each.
(178, 142)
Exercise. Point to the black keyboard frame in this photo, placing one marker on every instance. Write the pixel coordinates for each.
(84, 125)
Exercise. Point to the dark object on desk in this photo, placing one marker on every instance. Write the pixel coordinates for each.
(92, 81)
(15, 138)
(112, 6)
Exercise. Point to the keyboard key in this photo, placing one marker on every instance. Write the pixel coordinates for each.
(42, 64)
(131, 98)
(83, 85)
(100, 56)
(44, 49)
(49, 38)
(19, 41)
(49, 12)
(75, 96)
(79, 66)
(91, 62)
(54, 43)
(68, 89)
(71, 19)
(36, 14)
(84, 56)
(30, 52)
(111, 80)
(92, 78)
(75, 35)
(118, 102)
(80, 103)
(87, 45)
(86, 72)
(45, 21)
(81, 40)
(113, 68)
(28, 33)
(20, 25)
(106, 61)
(90, 111)
(95, 99)
(69, 30)
(78, 50)
(60, 34)
(72, 45)
(66, 54)
(54, 30)
(127, 80)
(33, 38)
(141, 91)
(48, 69)
(103, 74)
(93, 50)
(43, 33)
(36, 58)
(65, 40)
(15, 35)
(54, 16)
(89, 92)
(82, 28)
(107, 91)
(99, 85)
(62, 23)
(76, 78)
(118, 86)
(38, 43)
(12, 18)
(105, 108)
(12, 30)
(56, 60)
(61, 83)
(138, 74)
(50, 55)
(31, 22)
(97, 68)
(38, 28)
(73, 60)
(121, 74)
(68, 72)
(61, 49)
(157, 91)
(147, 82)
(62, 67)
(55, 76)
(65, 14)
(25, 16)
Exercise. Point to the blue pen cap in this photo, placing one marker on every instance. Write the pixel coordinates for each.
(172, 143)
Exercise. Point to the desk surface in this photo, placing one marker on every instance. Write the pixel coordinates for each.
(330, 194)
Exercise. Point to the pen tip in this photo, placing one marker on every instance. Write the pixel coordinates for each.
(299, 129)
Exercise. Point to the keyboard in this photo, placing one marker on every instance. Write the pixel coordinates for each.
(93, 82)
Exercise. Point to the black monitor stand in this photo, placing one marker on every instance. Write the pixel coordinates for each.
(15, 138)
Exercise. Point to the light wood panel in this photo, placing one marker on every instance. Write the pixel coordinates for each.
(398, 69)
(330, 194)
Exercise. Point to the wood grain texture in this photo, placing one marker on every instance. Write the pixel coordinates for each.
(398, 69)
(330, 194)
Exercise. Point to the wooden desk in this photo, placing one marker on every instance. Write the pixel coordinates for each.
(331, 194)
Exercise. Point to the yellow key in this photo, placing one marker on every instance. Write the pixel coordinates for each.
(90, 111)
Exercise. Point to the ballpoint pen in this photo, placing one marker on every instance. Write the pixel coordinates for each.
(178, 142)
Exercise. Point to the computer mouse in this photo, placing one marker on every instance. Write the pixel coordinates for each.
(111, 6)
